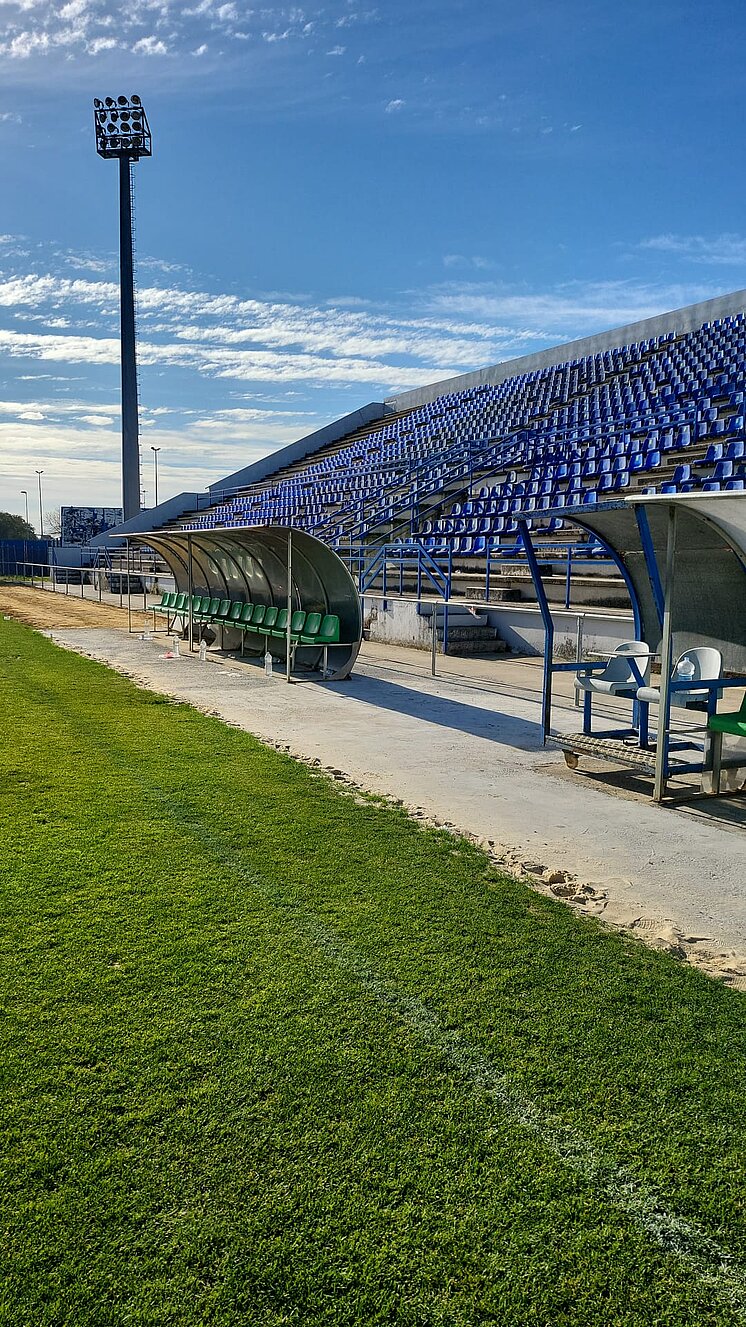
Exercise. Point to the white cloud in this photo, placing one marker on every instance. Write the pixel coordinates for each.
(221, 373)
(149, 28)
(567, 311)
(337, 50)
(462, 260)
(150, 46)
(397, 104)
(720, 250)
(99, 44)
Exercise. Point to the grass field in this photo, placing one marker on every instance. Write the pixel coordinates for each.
(273, 1056)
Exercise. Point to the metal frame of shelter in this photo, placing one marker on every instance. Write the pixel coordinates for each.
(271, 565)
(683, 560)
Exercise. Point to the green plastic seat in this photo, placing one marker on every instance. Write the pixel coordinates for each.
(224, 607)
(270, 618)
(242, 622)
(297, 623)
(180, 603)
(735, 724)
(212, 608)
(310, 633)
(166, 606)
(236, 610)
(280, 629)
(329, 630)
(257, 618)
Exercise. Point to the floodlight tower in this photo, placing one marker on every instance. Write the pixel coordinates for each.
(123, 132)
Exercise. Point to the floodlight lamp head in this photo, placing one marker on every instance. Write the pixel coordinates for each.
(122, 128)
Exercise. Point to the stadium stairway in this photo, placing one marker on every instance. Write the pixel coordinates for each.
(469, 632)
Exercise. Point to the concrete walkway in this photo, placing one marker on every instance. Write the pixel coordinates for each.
(464, 748)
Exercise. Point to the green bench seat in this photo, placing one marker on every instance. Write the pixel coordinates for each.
(311, 629)
(166, 606)
(208, 610)
(257, 619)
(735, 724)
(280, 628)
(718, 725)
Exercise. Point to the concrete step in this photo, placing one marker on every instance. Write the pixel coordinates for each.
(457, 617)
(467, 633)
(481, 646)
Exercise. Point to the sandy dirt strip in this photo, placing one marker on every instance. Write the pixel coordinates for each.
(46, 608)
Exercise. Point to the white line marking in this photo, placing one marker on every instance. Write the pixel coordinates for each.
(713, 1265)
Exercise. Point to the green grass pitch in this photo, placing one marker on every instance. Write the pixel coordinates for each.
(270, 1056)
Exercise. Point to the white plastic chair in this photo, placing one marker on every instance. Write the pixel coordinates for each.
(706, 666)
(618, 677)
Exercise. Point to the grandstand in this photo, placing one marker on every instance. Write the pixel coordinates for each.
(438, 478)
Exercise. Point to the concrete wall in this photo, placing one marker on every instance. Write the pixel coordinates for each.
(522, 629)
(680, 320)
(519, 625)
(398, 623)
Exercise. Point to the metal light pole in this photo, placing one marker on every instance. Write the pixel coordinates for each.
(123, 133)
(155, 451)
(24, 494)
(41, 509)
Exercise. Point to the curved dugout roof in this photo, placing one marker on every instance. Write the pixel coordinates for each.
(709, 581)
(251, 564)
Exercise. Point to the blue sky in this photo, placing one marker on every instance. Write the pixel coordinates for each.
(345, 199)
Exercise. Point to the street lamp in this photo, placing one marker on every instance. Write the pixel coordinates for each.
(41, 509)
(24, 494)
(155, 451)
(123, 133)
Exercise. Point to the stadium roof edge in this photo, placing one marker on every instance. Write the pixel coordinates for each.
(678, 321)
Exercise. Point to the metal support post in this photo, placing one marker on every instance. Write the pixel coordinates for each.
(129, 590)
(664, 705)
(568, 578)
(190, 584)
(648, 551)
(546, 617)
(130, 426)
(289, 604)
(579, 651)
(434, 639)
